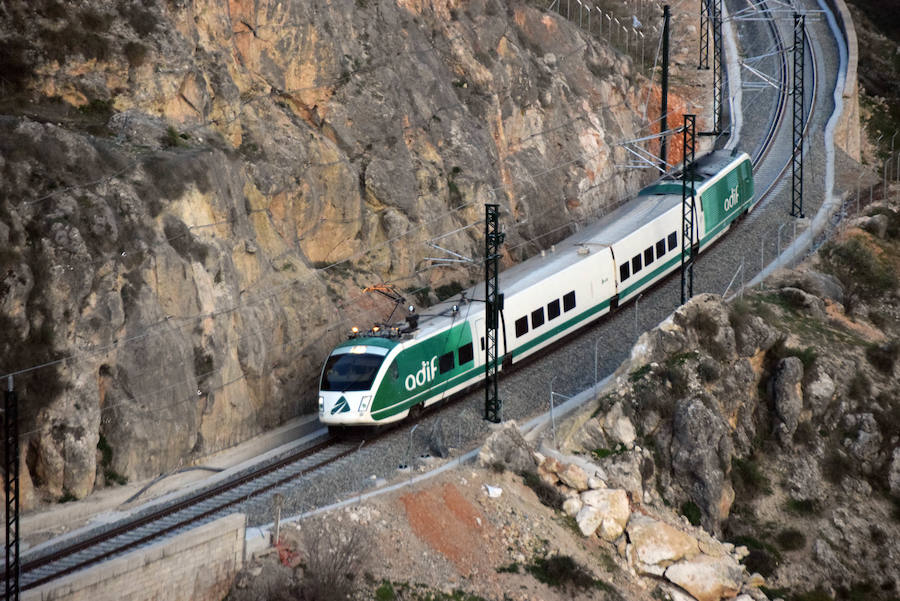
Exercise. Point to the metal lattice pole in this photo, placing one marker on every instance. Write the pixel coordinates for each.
(494, 304)
(689, 133)
(797, 92)
(704, 35)
(718, 76)
(11, 487)
(664, 103)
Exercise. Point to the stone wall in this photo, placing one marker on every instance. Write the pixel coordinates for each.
(199, 565)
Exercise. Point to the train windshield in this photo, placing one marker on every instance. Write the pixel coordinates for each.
(350, 371)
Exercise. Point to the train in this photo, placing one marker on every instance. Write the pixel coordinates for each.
(384, 374)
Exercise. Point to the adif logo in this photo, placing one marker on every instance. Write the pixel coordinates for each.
(425, 374)
(732, 199)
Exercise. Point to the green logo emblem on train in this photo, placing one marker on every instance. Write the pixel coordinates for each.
(342, 406)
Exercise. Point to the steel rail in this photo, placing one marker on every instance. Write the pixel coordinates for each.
(782, 108)
(219, 490)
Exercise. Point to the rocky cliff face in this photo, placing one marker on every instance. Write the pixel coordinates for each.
(772, 421)
(195, 191)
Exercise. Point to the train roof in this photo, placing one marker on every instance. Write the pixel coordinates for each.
(608, 230)
(651, 203)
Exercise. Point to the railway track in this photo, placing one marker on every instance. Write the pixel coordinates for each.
(188, 512)
(48, 564)
(771, 134)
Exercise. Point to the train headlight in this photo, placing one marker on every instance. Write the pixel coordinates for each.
(364, 404)
(321, 405)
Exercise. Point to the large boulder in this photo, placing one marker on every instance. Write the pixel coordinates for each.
(656, 545)
(863, 439)
(574, 477)
(819, 391)
(894, 473)
(506, 447)
(623, 470)
(753, 335)
(604, 509)
(814, 282)
(804, 301)
(788, 394)
(707, 578)
(618, 427)
(701, 450)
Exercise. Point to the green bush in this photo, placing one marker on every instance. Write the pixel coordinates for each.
(563, 571)
(708, 371)
(791, 539)
(748, 478)
(692, 512)
(385, 592)
(136, 53)
(883, 357)
(836, 465)
(806, 355)
(863, 274)
(860, 387)
(803, 506)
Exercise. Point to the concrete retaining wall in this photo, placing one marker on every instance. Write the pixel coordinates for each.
(199, 565)
(848, 133)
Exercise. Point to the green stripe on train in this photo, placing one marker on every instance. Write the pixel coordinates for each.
(416, 371)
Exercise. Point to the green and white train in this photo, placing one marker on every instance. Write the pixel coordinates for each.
(379, 377)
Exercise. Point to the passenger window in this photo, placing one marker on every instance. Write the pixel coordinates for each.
(537, 318)
(660, 248)
(624, 272)
(466, 353)
(521, 326)
(648, 255)
(482, 343)
(673, 241)
(553, 310)
(636, 263)
(569, 301)
(445, 363)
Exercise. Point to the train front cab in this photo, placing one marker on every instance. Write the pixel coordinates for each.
(349, 380)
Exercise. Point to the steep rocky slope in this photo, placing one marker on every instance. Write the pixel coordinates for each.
(774, 422)
(195, 192)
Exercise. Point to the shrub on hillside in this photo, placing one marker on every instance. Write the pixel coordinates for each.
(864, 275)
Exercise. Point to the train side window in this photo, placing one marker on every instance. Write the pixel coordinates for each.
(673, 241)
(660, 248)
(569, 301)
(553, 310)
(636, 263)
(445, 363)
(466, 353)
(482, 343)
(521, 326)
(648, 255)
(624, 272)
(537, 318)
